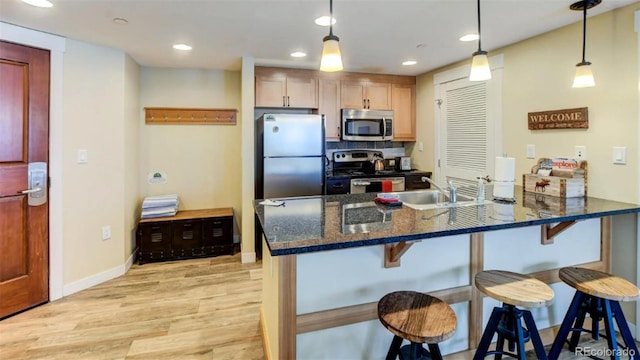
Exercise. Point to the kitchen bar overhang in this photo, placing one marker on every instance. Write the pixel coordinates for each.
(316, 229)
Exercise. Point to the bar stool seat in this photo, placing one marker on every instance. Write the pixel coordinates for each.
(597, 294)
(513, 290)
(418, 318)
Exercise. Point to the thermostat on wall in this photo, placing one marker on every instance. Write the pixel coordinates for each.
(157, 178)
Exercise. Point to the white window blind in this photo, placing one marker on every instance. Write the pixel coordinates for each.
(466, 123)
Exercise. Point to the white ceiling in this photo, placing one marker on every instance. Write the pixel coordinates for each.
(375, 35)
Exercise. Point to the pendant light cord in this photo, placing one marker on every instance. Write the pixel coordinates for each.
(479, 36)
(330, 17)
(584, 29)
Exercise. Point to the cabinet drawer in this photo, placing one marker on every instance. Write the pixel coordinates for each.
(218, 231)
(187, 234)
(154, 242)
(414, 182)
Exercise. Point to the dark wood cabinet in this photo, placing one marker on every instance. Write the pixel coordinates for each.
(188, 234)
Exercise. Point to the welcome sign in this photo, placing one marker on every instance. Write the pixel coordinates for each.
(577, 118)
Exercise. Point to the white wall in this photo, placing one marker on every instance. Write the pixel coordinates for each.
(93, 193)
(202, 162)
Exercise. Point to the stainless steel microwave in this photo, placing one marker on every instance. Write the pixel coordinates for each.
(367, 125)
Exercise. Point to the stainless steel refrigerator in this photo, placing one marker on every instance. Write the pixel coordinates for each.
(290, 159)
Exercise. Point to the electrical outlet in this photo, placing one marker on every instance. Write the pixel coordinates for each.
(580, 152)
(106, 232)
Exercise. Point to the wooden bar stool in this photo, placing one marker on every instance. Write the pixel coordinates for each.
(597, 294)
(513, 290)
(419, 318)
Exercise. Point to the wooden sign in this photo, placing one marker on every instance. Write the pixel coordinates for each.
(577, 118)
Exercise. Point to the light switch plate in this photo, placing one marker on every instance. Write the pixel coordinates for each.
(83, 156)
(620, 155)
(531, 151)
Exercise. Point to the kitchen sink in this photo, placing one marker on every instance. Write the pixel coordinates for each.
(431, 199)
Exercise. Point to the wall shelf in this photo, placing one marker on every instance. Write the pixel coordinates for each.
(183, 116)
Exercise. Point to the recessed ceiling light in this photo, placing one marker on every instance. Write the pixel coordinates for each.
(409, 62)
(324, 21)
(183, 47)
(39, 3)
(120, 21)
(469, 37)
(298, 54)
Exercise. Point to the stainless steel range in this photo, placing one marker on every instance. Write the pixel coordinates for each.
(354, 172)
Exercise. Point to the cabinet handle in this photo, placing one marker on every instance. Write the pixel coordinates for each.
(368, 104)
(364, 103)
(284, 101)
(288, 101)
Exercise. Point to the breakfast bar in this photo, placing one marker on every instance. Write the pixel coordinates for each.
(328, 259)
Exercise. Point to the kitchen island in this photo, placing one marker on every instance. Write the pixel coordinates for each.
(329, 259)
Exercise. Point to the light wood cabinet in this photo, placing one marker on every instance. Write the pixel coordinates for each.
(365, 95)
(286, 88)
(330, 107)
(403, 104)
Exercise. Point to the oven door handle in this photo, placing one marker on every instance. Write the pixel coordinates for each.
(361, 183)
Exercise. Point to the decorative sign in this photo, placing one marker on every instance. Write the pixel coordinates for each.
(577, 118)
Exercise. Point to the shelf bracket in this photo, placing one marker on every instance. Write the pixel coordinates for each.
(393, 253)
(549, 231)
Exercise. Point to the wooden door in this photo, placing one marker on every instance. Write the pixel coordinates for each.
(378, 96)
(24, 139)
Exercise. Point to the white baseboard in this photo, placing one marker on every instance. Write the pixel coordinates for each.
(93, 280)
(96, 279)
(248, 257)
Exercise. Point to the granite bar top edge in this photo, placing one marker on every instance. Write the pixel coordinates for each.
(315, 244)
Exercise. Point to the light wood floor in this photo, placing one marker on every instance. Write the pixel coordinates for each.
(190, 309)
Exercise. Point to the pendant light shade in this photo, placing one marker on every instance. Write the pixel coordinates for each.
(331, 56)
(480, 69)
(584, 75)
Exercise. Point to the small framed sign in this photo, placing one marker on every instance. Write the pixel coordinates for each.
(577, 118)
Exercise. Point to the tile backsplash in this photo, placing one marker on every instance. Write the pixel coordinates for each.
(390, 149)
(346, 145)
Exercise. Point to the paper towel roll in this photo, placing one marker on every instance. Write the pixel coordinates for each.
(504, 177)
(503, 190)
(505, 169)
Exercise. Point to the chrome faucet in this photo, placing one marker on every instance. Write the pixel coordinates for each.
(452, 190)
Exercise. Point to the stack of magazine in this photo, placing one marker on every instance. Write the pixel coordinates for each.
(159, 206)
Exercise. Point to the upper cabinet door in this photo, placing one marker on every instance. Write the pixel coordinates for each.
(271, 91)
(365, 95)
(330, 107)
(378, 96)
(353, 95)
(302, 92)
(404, 112)
(286, 88)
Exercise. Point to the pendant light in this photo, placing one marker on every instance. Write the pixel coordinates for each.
(584, 76)
(480, 69)
(331, 57)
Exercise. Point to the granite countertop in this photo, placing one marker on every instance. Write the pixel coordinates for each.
(329, 222)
